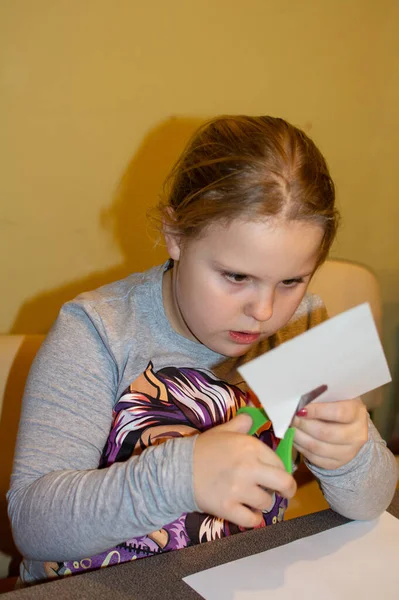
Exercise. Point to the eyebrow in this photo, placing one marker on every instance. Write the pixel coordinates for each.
(238, 272)
(299, 276)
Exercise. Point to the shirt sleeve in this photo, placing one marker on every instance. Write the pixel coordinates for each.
(363, 488)
(61, 506)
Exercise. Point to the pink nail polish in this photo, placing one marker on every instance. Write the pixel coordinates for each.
(302, 413)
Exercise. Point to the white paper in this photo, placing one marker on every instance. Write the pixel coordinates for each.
(356, 560)
(344, 353)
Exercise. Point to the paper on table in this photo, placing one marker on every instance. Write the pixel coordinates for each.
(356, 560)
(344, 353)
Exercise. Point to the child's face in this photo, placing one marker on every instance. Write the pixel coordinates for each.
(239, 283)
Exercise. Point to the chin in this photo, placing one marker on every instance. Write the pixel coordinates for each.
(235, 352)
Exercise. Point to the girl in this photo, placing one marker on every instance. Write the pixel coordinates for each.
(128, 443)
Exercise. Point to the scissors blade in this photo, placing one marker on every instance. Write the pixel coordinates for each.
(310, 396)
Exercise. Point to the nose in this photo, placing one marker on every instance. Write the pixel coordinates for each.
(260, 308)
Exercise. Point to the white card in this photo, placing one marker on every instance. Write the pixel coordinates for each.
(356, 560)
(343, 353)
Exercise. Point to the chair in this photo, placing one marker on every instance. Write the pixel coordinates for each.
(343, 285)
(16, 355)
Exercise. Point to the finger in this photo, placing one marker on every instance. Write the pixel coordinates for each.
(343, 411)
(268, 457)
(244, 516)
(276, 479)
(240, 424)
(320, 448)
(258, 498)
(327, 431)
(324, 463)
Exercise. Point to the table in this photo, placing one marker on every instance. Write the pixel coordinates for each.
(161, 576)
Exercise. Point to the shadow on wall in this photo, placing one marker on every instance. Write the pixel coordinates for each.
(137, 193)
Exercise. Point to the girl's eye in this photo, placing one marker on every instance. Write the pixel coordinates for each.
(235, 277)
(292, 282)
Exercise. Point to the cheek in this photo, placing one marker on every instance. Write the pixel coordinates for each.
(289, 302)
(210, 301)
(199, 297)
(211, 304)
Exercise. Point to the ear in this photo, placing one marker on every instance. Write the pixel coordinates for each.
(172, 239)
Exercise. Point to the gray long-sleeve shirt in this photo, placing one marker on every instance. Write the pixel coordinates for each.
(99, 393)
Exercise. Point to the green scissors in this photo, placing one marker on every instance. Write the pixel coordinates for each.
(284, 449)
(259, 418)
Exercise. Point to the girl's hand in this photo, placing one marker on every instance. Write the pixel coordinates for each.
(236, 474)
(330, 434)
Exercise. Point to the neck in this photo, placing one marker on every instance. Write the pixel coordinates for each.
(172, 305)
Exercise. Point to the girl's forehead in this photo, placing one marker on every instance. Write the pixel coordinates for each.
(261, 229)
(251, 245)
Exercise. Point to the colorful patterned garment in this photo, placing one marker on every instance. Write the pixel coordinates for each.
(157, 406)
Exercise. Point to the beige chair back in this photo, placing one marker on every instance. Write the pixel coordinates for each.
(16, 356)
(343, 285)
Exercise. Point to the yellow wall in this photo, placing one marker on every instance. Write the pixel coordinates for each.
(98, 96)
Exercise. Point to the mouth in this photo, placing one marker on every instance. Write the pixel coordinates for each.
(244, 337)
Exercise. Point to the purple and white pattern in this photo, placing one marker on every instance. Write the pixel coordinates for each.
(158, 406)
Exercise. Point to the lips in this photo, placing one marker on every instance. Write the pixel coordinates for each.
(244, 337)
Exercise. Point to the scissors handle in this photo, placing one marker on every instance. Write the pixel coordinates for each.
(284, 449)
(258, 416)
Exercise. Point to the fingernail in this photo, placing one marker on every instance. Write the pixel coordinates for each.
(302, 413)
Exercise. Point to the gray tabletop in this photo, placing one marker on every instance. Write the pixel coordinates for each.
(161, 576)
